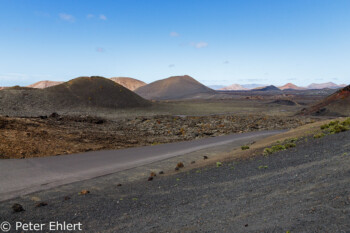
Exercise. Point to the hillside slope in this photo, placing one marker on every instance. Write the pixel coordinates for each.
(337, 104)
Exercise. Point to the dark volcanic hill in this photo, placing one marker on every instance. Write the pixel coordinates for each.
(130, 83)
(337, 104)
(75, 95)
(176, 87)
(267, 88)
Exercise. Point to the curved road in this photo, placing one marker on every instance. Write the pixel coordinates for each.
(23, 176)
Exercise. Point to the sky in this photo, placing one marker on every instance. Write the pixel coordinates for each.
(216, 42)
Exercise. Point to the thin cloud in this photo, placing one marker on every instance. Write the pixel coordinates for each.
(67, 17)
(103, 17)
(171, 65)
(174, 34)
(226, 62)
(200, 45)
(100, 50)
(90, 16)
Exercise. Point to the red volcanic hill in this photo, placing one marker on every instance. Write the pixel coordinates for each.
(291, 86)
(176, 87)
(337, 104)
(44, 84)
(130, 83)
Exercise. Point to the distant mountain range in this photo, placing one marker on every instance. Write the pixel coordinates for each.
(233, 87)
(254, 85)
(216, 87)
(133, 84)
(325, 85)
(288, 86)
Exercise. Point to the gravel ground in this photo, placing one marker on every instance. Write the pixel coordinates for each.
(55, 134)
(303, 189)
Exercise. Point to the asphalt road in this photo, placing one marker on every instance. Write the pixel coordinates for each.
(24, 176)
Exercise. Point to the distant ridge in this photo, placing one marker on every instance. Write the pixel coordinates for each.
(44, 84)
(253, 85)
(233, 87)
(130, 83)
(325, 85)
(176, 87)
(291, 86)
(337, 104)
(215, 87)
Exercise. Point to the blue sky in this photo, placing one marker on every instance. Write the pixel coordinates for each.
(216, 42)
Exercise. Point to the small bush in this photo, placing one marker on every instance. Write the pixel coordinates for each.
(291, 140)
(346, 122)
(263, 167)
(273, 149)
(245, 147)
(320, 135)
(290, 145)
(218, 164)
(267, 151)
(334, 127)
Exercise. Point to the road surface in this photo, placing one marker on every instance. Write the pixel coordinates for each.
(24, 176)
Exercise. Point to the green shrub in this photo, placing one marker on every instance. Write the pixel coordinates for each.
(273, 149)
(346, 122)
(245, 147)
(320, 135)
(278, 148)
(289, 145)
(291, 140)
(218, 164)
(334, 127)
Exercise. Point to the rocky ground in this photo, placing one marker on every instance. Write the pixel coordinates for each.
(302, 189)
(55, 134)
